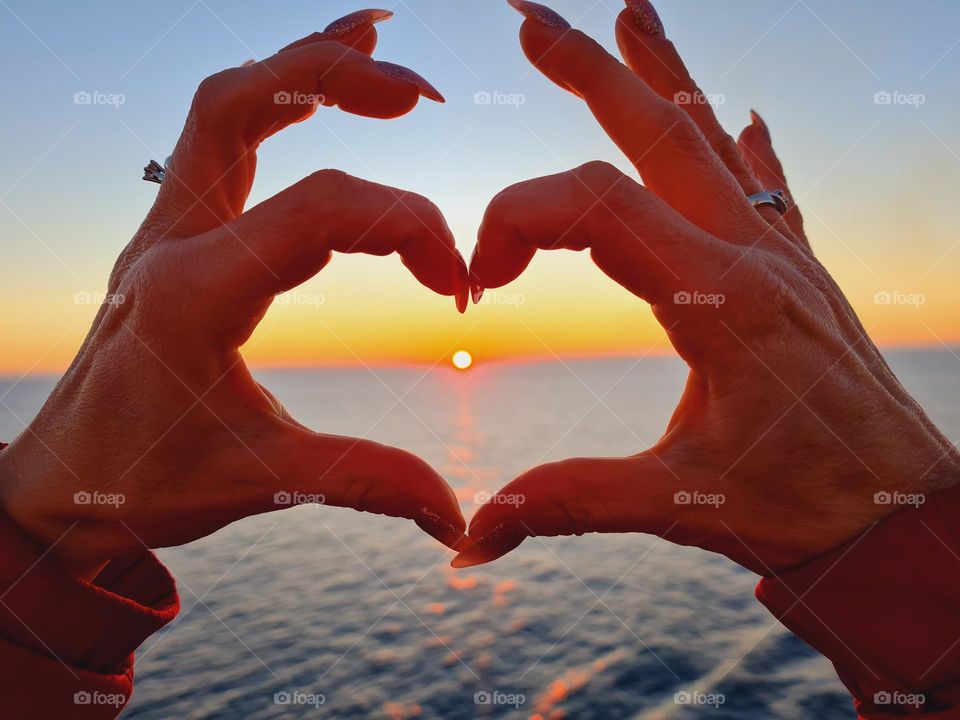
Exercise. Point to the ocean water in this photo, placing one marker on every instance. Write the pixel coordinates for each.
(350, 615)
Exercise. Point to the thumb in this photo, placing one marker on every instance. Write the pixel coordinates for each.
(572, 497)
(309, 467)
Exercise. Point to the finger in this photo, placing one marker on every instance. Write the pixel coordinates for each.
(288, 238)
(212, 168)
(308, 467)
(647, 51)
(572, 497)
(756, 146)
(355, 30)
(660, 139)
(633, 236)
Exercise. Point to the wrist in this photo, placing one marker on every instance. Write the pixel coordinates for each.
(51, 536)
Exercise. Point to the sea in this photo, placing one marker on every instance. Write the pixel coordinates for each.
(329, 613)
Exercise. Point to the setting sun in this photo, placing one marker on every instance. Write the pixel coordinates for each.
(462, 360)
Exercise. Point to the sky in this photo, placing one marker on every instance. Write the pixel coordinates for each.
(876, 180)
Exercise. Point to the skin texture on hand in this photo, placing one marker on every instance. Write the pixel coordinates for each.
(790, 422)
(158, 435)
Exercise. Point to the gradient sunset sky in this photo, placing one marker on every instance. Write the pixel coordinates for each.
(877, 180)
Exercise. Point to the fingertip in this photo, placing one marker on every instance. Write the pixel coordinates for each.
(449, 532)
(463, 284)
(760, 124)
(349, 23)
(406, 75)
(476, 290)
(493, 545)
(539, 14)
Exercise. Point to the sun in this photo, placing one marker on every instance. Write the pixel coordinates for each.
(462, 360)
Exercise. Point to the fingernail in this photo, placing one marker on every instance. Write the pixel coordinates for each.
(399, 72)
(432, 524)
(462, 294)
(496, 543)
(646, 17)
(760, 123)
(476, 290)
(349, 23)
(540, 13)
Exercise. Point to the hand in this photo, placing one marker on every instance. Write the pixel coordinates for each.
(790, 421)
(157, 434)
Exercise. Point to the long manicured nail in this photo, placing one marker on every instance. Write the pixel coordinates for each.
(540, 13)
(348, 23)
(476, 290)
(760, 123)
(399, 72)
(435, 526)
(463, 285)
(646, 17)
(496, 543)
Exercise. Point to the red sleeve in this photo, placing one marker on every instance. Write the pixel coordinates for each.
(885, 609)
(66, 645)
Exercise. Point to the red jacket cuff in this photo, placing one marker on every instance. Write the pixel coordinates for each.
(67, 645)
(885, 609)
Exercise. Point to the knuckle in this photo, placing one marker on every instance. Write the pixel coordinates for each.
(680, 127)
(324, 191)
(327, 179)
(614, 191)
(599, 174)
(215, 97)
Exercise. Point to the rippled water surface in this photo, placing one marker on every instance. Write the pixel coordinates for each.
(364, 613)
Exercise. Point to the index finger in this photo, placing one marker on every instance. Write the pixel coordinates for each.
(287, 239)
(212, 167)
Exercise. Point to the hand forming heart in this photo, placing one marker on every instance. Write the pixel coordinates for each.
(790, 415)
(199, 443)
(791, 421)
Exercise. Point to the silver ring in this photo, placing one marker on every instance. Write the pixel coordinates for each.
(776, 199)
(154, 172)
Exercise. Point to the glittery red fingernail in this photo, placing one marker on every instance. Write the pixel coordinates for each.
(349, 23)
(540, 13)
(399, 72)
(646, 17)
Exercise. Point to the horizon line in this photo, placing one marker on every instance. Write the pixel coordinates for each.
(497, 361)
